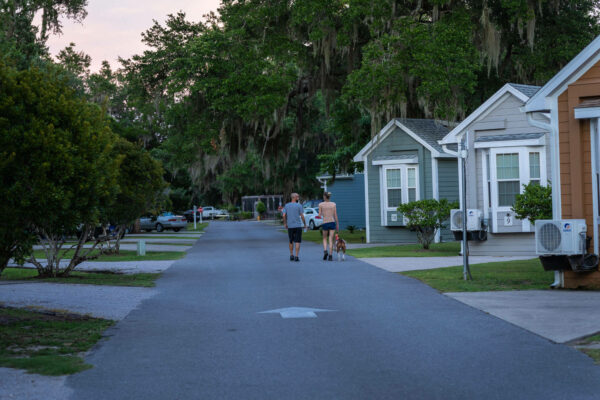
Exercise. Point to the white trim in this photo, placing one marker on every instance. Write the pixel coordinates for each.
(587, 113)
(384, 133)
(435, 190)
(594, 147)
(524, 178)
(367, 222)
(451, 137)
(382, 198)
(511, 143)
(579, 65)
(383, 189)
(414, 160)
(484, 176)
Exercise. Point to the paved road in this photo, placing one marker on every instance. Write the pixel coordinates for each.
(391, 337)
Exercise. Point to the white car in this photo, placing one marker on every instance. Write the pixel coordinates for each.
(209, 212)
(311, 216)
(166, 220)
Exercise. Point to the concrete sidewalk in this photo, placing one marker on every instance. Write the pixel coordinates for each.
(558, 315)
(401, 264)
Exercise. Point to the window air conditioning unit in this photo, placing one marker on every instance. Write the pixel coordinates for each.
(474, 218)
(560, 237)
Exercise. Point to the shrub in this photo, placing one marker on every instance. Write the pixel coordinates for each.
(351, 228)
(261, 208)
(426, 217)
(535, 203)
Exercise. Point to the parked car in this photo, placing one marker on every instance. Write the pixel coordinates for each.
(311, 216)
(166, 220)
(189, 215)
(209, 212)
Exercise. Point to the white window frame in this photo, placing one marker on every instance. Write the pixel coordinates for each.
(404, 185)
(524, 177)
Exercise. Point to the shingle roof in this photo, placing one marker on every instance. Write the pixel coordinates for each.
(429, 130)
(527, 90)
(513, 136)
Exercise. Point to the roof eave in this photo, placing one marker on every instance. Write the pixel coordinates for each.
(450, 138)
(540, 102)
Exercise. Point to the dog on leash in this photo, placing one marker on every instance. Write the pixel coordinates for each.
(340, 246)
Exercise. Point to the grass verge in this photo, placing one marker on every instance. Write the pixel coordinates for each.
(47, 343)
(124, 255)
(446, 249)
(150, 236)
(80, 277)
(317, 236)
(509, 275)
(199, 226)
(593, 353)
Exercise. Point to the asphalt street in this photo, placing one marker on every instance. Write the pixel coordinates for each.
(384, 336)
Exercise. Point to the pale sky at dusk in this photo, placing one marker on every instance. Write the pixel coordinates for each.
(113, 27)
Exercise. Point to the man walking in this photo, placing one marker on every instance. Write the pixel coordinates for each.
(293, 221)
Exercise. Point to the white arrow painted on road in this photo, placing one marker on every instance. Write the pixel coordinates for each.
(296, 312)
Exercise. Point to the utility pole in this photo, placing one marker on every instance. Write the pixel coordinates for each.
(194, 217)
(462, 159)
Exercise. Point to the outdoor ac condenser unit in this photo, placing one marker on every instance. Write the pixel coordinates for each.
(560, 237)
(474, 218)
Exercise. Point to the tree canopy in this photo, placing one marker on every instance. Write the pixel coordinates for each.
(265, 94)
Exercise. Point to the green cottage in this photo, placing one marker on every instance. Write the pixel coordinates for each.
(403, 163)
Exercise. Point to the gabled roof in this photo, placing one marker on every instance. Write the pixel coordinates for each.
(527, 90)
(519, 91)
(428, 132)
(578, 66)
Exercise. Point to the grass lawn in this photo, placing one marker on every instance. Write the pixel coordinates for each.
(317, 236)
(47, 343)
(408, 250)
(594, 353)
(174, 237)
(125, 255)
(199, 226)
(509, 275)
(89, 278)
(592, 341)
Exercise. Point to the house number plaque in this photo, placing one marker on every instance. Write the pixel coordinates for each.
(508, 220)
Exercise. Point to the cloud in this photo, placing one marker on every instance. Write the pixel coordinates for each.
(113, 28)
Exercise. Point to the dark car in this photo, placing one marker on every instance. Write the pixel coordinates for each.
(189, 215)
(312, 203)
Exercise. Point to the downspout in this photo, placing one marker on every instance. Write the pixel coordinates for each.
(559, 277)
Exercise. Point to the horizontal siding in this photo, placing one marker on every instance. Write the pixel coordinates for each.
(448, 189)
(504, 244)
(397, 143)
(349, 196)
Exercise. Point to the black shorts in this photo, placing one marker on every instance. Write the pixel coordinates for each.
(295, 235)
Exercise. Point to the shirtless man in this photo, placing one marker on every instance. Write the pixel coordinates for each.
(328, 211)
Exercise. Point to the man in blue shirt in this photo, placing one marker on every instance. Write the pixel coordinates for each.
(294, 222)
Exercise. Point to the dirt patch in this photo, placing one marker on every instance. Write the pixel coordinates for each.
(43, 315)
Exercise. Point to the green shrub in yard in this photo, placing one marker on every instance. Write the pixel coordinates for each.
(426, 217)
(261, 208)
(351, 228)
(535, 202)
